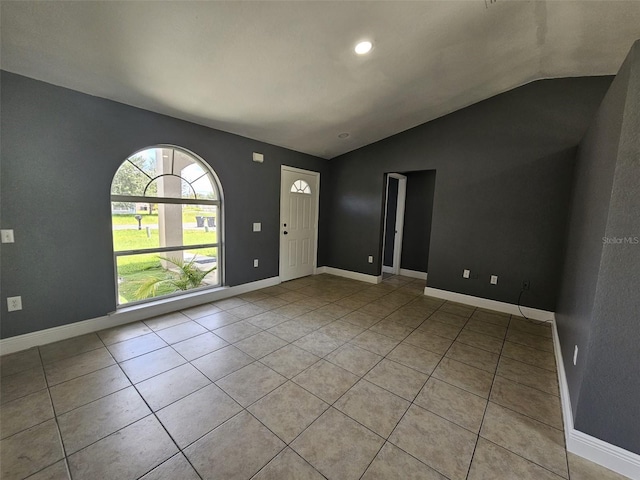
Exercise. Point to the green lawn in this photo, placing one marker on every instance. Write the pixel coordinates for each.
(188, 216)
(137, 239)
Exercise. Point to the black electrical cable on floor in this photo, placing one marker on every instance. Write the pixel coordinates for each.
(519, 297)
(537, 322)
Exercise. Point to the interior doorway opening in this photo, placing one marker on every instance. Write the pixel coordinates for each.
(394, 223)
(408, 212)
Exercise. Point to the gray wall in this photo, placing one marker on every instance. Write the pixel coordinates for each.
(60, 150)
(417, 220)
(504, 174)
(599, 305)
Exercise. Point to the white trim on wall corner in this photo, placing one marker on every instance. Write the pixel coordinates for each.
(584, 445)
(532, 313)
(128, 315)
(363, 277)
(413, 274)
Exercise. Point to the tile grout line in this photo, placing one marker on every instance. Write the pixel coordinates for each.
(65, 458)
(258, 360)
(362, 377)
(332, 405)
(163, 427)
(430, 376)
(411, 403)
(443, 356)
(515, 411)
(486, 407)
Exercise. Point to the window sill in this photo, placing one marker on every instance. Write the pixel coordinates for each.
(171, 304)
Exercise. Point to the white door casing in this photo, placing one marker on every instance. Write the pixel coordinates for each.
(399, 226)
(298, 222)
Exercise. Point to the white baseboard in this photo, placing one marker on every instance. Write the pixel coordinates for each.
(584, 445)
(363, 277)
(532, 313)
(386, 269)
(128, 315)
(413, 274)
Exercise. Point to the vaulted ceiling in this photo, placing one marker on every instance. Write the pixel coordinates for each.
(286, 72)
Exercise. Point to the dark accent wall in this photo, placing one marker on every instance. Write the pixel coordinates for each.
(599, 304)
(390, 221)
(418, 212)
(60, 150)
(505, 170)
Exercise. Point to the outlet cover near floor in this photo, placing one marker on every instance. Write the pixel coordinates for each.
(14, 303)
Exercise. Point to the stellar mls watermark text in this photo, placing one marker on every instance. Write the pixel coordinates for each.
(620, 240)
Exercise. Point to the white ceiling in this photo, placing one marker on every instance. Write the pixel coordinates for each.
(286, 73)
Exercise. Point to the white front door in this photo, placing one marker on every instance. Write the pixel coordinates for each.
(298, 222)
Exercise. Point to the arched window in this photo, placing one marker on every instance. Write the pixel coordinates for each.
(300, 186)
(166, 210)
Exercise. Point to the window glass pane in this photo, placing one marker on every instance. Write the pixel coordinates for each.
(151, 162)
(200, 181)
(144, 276)
(151, 225)
(300, 186)
(164, 172)
(128, 180)
(168, 186)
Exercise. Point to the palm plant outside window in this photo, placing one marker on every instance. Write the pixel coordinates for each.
(166, 210)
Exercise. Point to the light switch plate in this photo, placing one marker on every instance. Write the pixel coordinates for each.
(494, 279)
(466, 273)
(258, 157)
(7, 236)
(257, 226)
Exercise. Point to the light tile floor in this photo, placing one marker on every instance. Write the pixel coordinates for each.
(320, 377)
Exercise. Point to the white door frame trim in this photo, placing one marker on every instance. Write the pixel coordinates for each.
(399, 226)
(316, 192)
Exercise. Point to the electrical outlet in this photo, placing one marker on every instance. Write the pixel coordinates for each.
(494, 279)
(370, 258)
(466, 273)
(14, 303)
(257, 226)
(7, 236)
(575, 355)
(255, 263)
(526, 285)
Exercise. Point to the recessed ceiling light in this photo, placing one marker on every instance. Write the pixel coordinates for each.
(363, 47)
(343, 135)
